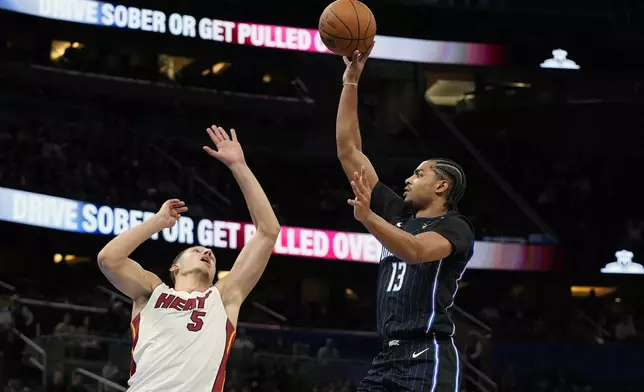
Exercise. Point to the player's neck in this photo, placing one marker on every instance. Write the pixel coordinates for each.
(191, 283)
(432, 211)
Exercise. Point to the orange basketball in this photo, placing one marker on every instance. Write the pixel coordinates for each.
(347, 25)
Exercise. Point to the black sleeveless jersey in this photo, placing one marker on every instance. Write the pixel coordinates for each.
(414, 300)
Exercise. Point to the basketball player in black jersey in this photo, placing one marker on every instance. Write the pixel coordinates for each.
(426, 247)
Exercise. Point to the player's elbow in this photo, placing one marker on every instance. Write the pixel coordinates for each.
(107, 261)
(270, 231)
(346, 150)
(102, 258)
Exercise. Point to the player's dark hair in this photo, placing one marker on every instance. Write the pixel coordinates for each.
(175, 261)
(451, 171)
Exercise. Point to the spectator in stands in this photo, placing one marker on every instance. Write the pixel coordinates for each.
(242, 348)
(77, 384)
(242, 341)
(328, 351)
(474, 349)
(65, 326)
(110, 372)
(280, 347)
(23, 318)
(625, 329)
(6, 319)
(88, 343)
(58, 381)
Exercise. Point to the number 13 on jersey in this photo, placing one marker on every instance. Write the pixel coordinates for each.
(397, 276)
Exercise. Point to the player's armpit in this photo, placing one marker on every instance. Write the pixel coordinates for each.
(352, 160)
(129, 277)
(246, 271)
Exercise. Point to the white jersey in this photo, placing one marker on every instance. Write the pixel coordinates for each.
(180, 342)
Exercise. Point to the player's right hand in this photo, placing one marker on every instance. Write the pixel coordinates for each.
(355, 65)
(170, 212)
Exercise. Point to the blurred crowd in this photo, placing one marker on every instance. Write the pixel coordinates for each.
(97, 339)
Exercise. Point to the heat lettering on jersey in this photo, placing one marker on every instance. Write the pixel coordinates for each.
(171, 301)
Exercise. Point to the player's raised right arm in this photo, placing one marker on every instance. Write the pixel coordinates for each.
(126, 274)
(348, 140)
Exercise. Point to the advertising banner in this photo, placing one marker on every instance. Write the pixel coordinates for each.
(80, 217)
(105, 14)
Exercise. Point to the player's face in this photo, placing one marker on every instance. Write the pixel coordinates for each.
(423, 186)
(198, 259)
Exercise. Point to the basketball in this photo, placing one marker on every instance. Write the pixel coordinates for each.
(346, 26)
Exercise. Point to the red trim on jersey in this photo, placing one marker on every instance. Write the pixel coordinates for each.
(135, 338)
(221, 373)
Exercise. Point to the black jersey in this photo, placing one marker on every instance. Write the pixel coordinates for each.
(416, 299)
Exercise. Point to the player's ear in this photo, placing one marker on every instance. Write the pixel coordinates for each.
(442, 186)
(174, 267)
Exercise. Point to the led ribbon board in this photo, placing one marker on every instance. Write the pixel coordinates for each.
(80, 217)
(239, 33)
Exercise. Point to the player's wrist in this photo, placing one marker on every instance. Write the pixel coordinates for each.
(368, 218)
(156, 223)
(237, 165)
(352, 83)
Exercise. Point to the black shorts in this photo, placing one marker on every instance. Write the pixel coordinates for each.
(431, 365)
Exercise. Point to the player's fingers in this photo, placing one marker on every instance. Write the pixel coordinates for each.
(356, 190)
(365, 178)
(357, 181)
(181, 209)
(355, 55)
(220, 137)
(351, 202)
(212, 134)
(219, 133)
(357, 178)
(233, 134)
(224, 134)
(171, 202)
(346, 60)
(362, 186)
(368, 52)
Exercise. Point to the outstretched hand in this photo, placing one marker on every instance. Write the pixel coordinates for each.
(362, 192)
(228, 151)
(171, 211)
(355, 65)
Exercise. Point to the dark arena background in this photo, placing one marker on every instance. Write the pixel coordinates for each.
(103, 111)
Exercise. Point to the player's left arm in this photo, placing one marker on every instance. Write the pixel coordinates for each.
(448, 236)
(253, 258)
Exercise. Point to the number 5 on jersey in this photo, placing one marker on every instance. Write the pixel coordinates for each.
(397, 276)
(197, 322)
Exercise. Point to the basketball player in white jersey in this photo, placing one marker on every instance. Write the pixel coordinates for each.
(182, 335)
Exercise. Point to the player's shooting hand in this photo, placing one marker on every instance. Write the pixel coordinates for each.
(170, 212)
(362, 192)
(228, 151)
(355, 65)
